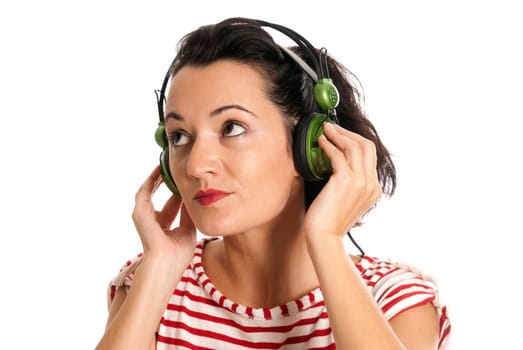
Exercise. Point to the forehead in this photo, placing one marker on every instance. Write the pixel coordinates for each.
(218, 80)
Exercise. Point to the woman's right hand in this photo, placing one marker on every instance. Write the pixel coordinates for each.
(154, 226)
(135, 312)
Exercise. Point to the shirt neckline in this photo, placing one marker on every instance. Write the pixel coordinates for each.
(313, 298)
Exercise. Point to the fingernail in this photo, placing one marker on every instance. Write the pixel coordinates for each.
(330, 126)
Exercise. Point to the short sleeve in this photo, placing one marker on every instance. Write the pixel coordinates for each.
(123, 278)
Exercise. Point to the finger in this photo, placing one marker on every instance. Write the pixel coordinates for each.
(157, 178)
(144, 215)
(169, 211)
(149, 186)
(367, 147)
(336, 156)
(344, 153)
(344, 140)
(354, 147)
(360, 155)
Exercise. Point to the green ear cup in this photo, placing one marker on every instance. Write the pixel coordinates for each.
(160, 136)
(166, 173)
(309, 159)
(326, 94)
(317, 159)
(161, 140)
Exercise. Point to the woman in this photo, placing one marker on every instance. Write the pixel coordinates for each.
(275, 202)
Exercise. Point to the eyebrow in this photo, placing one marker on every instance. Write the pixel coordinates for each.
(215, 112)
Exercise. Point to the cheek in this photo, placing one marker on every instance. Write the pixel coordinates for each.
(270, 170)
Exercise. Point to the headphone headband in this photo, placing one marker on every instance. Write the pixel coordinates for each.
(320, 72)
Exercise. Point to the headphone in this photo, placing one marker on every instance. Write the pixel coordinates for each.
(309, 159)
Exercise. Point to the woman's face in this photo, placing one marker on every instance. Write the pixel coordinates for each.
(230, 153)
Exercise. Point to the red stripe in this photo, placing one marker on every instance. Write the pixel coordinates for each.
(189, 280)
(247, 329)
(312, 300)
(304, 338)
(246, 343)
(328, 347)
(113, 293)
(374, 277)
(267, 313)
(393, 290)
(197, 298)
(179, 342)
(444, 336)
(444, 332)
(204, 283)
(378, 275)
(392, 303)
(403, 297)
(443, 316)
(389, 270)
(376, 267)
(284, 310)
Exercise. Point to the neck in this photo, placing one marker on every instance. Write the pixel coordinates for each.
(265, 267)
(270, 270)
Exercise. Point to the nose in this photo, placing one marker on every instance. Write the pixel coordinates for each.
(204, 158)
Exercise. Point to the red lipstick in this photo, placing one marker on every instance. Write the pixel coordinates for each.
(209, 196)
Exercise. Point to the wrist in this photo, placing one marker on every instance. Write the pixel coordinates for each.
(323, 238)
(322, 242)
(163, 266)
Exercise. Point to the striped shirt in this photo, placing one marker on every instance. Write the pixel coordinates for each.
(198, 316)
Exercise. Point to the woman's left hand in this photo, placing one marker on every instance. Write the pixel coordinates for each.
(353, 187)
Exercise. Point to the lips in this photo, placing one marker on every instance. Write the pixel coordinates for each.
(209, 196)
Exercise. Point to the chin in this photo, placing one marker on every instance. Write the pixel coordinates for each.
(217, 228)
(217, 231)
(226, 228)
(209, 234)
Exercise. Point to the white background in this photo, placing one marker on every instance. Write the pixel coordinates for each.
(77, 117)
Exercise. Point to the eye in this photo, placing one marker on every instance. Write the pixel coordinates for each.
(232, 128)
(178, 138)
